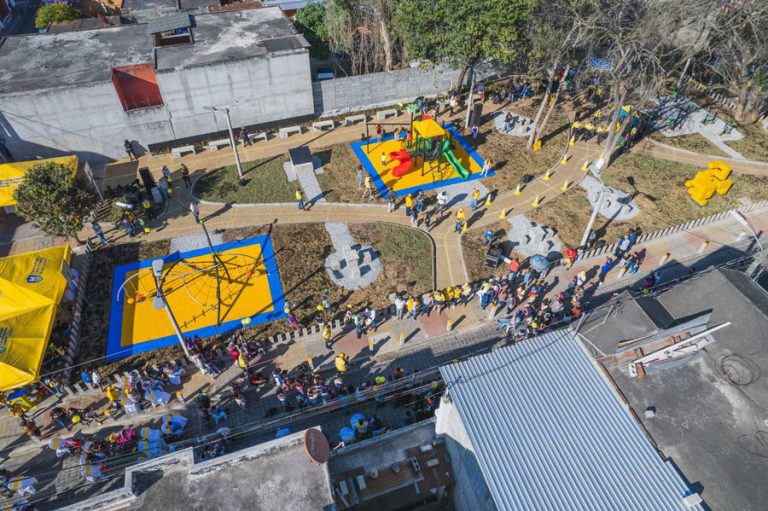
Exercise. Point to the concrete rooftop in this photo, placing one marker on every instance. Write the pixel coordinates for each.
(710, 410)
(230, 35)
(274, 475)
(44, 61)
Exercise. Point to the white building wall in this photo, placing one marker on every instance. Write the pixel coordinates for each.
(90, 121)
(470, 492)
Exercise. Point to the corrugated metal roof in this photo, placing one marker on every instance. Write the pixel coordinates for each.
(549, 433)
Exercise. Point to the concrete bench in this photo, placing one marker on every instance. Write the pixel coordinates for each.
(214, 145)
(176, 152)
(352, 119)
(383, 114)
(285, 132)
(319, 125)
(255, 136)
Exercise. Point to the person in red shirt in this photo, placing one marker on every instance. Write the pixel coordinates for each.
(570, 257)
(514, 267)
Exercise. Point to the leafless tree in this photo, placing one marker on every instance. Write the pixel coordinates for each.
(737, 55)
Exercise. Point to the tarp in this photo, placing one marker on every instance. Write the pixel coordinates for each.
(31, 288)
(12, 174)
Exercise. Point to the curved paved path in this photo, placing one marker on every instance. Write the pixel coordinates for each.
(664, 151)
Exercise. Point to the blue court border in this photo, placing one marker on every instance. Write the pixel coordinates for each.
(359, 150)
(115, 350)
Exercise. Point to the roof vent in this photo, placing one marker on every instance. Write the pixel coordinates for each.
(692, 500)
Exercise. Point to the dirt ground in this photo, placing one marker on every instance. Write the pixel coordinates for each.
(474, 251)
(300, 250)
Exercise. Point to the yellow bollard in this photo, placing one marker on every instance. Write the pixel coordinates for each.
(311, 364)
(585, 167)
(488, 201)
(664, 259)
(518, 189)
(536, 202)
(565, 186)
(742, 234)
(703, 246)
(402, 338)
(371, 343)
(565, 159)
(449, 325)
(464, 227)
(547, 175)
(572, 141)
(146, 230)
(503, 214)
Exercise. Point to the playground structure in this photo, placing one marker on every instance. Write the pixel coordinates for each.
(423, 156)
(706, 182)
(249, 292)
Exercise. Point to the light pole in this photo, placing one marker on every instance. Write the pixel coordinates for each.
(231, 138)
(739, 217)
(161, 302)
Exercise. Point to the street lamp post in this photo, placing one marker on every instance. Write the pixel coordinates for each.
(231, 138)
(739, 217)
(162, 302)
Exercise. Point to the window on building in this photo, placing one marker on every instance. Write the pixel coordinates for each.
(136, 86)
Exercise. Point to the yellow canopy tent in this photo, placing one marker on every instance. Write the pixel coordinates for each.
(11, 175)
(31, 288)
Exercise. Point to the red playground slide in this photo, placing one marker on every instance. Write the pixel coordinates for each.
(405, 162)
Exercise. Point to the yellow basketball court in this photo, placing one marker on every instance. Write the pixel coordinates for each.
(253, 295)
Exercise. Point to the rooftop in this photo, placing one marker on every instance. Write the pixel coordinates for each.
(710, 410)
(88, 56)
(549, 432)
(398, 481)
(273, 475)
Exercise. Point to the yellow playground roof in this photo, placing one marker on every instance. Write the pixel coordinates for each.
(11, 175)
(428, 128)
(31, 288)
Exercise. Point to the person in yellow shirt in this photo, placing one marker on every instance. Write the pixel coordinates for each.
(456, 298)
(327, 335)
(475, 199)
(408, 204)
(460, 219)
(576, 129)
(300, 199)
(341, 363)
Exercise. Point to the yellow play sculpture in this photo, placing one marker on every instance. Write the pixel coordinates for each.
(706, 182)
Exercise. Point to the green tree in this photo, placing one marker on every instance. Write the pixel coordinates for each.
(311, 22)
(463, 33)
(54, 200)
(55, 13)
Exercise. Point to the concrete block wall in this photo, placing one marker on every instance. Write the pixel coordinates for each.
(341, 95)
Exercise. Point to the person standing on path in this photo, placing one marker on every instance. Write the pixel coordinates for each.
(461, 218)
(420, 197)
(99, 233)
(408, 204)
(427, 220)
(300, 199)
(245, 137)
(129, 149)
(185, 176)
(391, 201)
(414, 217)
(360, 177)
(195, 209)
(475, 199)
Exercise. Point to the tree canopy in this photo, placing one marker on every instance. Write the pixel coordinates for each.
(58, 12)
(56, 202)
